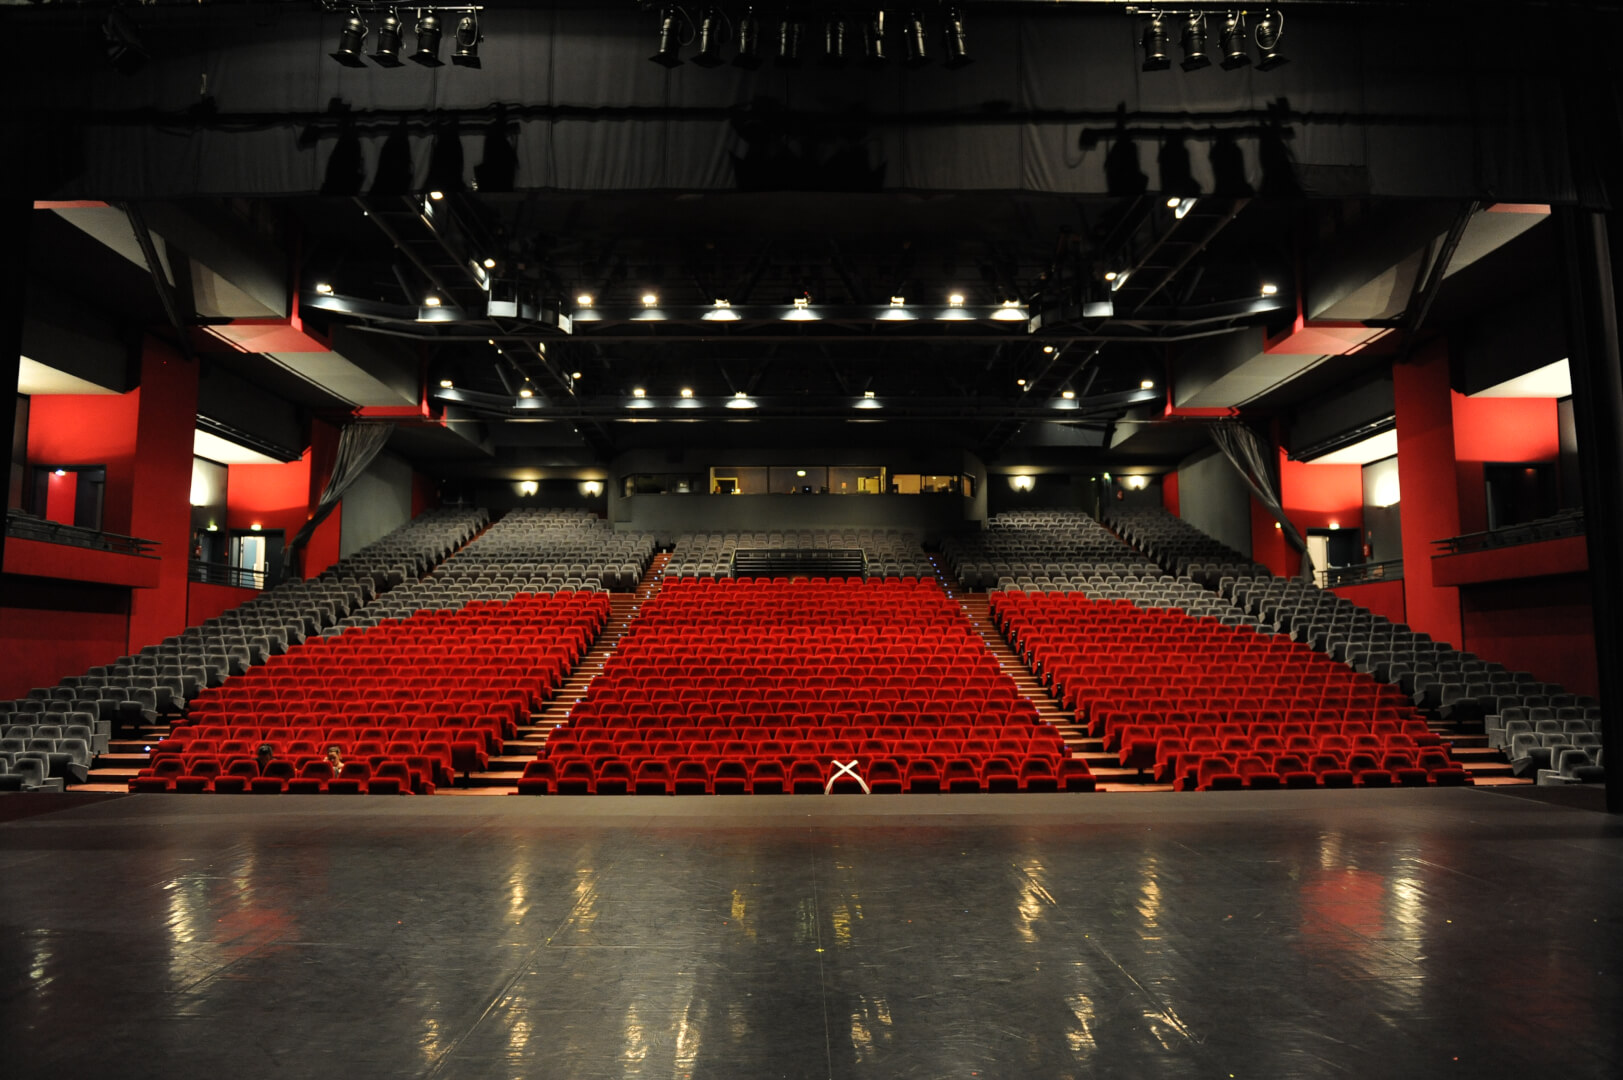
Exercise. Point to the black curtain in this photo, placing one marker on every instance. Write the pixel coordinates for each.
(359, 444)
(1250, 457)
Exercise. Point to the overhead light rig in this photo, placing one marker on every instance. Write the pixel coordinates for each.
(429, 26)
(791, 36)
(1235, 35)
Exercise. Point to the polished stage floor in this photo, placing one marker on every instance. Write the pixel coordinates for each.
(1278, 935)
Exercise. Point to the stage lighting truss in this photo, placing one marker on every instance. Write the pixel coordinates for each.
(428, 23)
(832, 39)
(1234, 39)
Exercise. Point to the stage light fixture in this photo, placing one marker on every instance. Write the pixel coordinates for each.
(918, 53)
(709, 55)
(687, 394)
(1270, 289)
(897, 301)
(956, 299)
(1194, 42)
(833, 43)
(1048, 349)
(788, 44)
(1009, 311)
(1270, 28)
(1232, 42)
(323, 288)
(1146, 384)
(749, 41)
(670, 38)
(431, 300)
(650, 299)
(525, 392)
(638, 392)
(957, 41)
(1110, 275)
(873, 39)
(436, 195)
(1184, 206)
(387, 53)
(722, 311)
(1068, 395)
(428, 41)
(1156, 56)
(468, 37)
(446, 384)
(801, 311)
(489, 264)
(351, 39)
(583, 300)
(741, 400)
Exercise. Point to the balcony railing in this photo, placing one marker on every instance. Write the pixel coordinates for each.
(1364, 574)
(214, 573)
(1557, 527)
(27, 527)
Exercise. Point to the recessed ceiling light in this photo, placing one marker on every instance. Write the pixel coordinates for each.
(323, 288)
(431, 301)
(584, 300)
(956, 299)
(650, 299)
(686, 392)
(639, 392)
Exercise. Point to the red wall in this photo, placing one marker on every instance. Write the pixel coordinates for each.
(162, 482)
(1318, 496)
(1488, 430)
(204, 601)
(49, 629)
(1384, 598)
(1169, 492)
(1543, 625)
(272, 496)
(90, 429)
(1423, 403)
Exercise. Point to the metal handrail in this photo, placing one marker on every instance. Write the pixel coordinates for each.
(1558, 527)
(1363, 574)
(25, 526)
(213, 573)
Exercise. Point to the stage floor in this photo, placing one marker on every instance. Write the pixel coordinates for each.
(1268, 935)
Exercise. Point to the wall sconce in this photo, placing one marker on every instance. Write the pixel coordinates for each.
(1022, 483)
(592, 488)
(1136, 483)
(529, 487)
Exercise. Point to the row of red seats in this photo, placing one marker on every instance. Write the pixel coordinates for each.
(1113, 727)
(1287, 736)
(1232, 771)
(1164, 753)
(458, 750)
(806, 776)
(839, 749)
(1023, 730)
(852, 714)
(204, 774)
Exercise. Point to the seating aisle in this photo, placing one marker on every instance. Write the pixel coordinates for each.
(764, 687)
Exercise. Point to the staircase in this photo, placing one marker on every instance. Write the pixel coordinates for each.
(501, 778)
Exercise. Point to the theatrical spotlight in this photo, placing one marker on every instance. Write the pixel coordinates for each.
(1232, 42)
(1270, 29)
(957, 43)
(428, 41)
(749, 41)
(913, 30)
(1194, 42)
(873, 39)
(670, 38)
(788, 43)
(387, 53)
(350, 41)
(709, 39)
(1156, 56)
(833, 43)
(468, 37)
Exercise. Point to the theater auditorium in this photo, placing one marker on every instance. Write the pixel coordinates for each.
(811, 539)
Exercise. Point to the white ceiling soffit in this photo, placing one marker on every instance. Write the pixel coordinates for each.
(1250, 380)
(342, 378)
(215, 297)
(35, 378)
(1550, 381)
(1362, 452)
(206, 444)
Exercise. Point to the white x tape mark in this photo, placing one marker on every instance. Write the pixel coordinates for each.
(845, 768)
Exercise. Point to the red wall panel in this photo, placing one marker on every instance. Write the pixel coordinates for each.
(49, 630)
(1423, 403)
(1169, 491)
(90, 429)
(271, 496)
(161, 488)
(1318, 496)
(1545, 626)
(1498, 430)
(1384, 598)
(204, 601)
(322, 551)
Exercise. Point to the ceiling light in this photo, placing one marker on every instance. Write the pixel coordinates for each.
(788, 43)
(431, 300)
(323, 288)
(61, 472)
(801, 312)
(1048, 349)
(1116, 280)
(748, 56)
(1068, 395)
(956, 299)
(1232, 42)
(1009, 311)
(529, 487)
(387, 54)
(868, 394)
(467, 38)
(686, 392)
(957, 41)
(525, 392)
(913, 33)
(255, 526)
(709, 38)
(639, 392)
(670, 38)
(649, 299)
(1156, 57)
(721, 312)
(436, 195)
(897, 301)
(833, 43)
(1146, 384)
(1110, 275)
(446, 384)
(428, 41)
(1194, 43)
(1019, 382)
(1270, 28)
(350, 41)
(1269, 289)
(800, 472)
(213, 527)
(574, 374)
(1184, 206)
(490, 264)
(741, 400)
(868, 401)
(583, 300)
